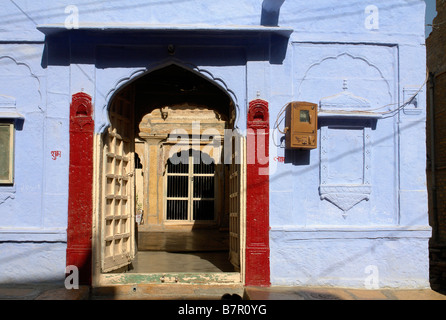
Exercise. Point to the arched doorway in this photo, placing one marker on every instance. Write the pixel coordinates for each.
(165, 113)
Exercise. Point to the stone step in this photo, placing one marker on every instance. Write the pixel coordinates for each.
(171, 291)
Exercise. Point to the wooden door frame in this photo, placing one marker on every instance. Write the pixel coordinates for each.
(111, 279)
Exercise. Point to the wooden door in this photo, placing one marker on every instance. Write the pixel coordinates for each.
(118, 186)
(237, 201)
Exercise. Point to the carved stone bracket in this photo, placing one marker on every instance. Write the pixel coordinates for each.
(81, 113)
(258, 114)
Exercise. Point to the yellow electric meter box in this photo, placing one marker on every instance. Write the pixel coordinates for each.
(301, 125)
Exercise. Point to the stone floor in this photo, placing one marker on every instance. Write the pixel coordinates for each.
(196, 262)
(200, 250)
(179, 241)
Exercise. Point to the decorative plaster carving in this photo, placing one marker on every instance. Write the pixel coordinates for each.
(258, 115)
(6, 101)
(10, 66)
(8, 108)
(121, 83)
(81, 111)
(337, 63)
(345, 166)
(180, 117)
(344, 101)
(5, 196)
(345, 197)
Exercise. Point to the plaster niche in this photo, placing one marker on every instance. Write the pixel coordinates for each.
(345, 166)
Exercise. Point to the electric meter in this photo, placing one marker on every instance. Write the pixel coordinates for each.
(301, 125)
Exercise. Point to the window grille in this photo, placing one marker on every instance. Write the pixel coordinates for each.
(191, 188)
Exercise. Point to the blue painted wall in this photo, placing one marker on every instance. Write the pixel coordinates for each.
(316, 238)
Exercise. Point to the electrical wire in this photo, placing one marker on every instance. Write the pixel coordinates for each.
(277, 124)
(391, 112)
(411, 98)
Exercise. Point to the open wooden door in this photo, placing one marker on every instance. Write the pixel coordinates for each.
(118, 186)
(237, 200)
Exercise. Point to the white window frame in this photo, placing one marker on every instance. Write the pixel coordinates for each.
(10, 179)
(190, 197)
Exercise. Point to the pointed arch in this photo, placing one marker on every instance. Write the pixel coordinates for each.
(137, 74)
(353, 57)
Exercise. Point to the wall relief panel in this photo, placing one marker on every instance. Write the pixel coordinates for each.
(355, 85)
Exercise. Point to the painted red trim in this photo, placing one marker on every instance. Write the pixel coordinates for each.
(257, 195)
(80, 192)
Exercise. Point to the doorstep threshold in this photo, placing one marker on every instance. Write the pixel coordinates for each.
(203, 278)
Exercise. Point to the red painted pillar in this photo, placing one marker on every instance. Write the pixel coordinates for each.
(80, 197)
(257, 195)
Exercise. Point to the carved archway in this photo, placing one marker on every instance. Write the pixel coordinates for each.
(103, 121)
(159, 96)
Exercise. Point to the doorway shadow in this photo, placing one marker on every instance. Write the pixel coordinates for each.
(183, 241)
(196, 251)
(181, 262)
